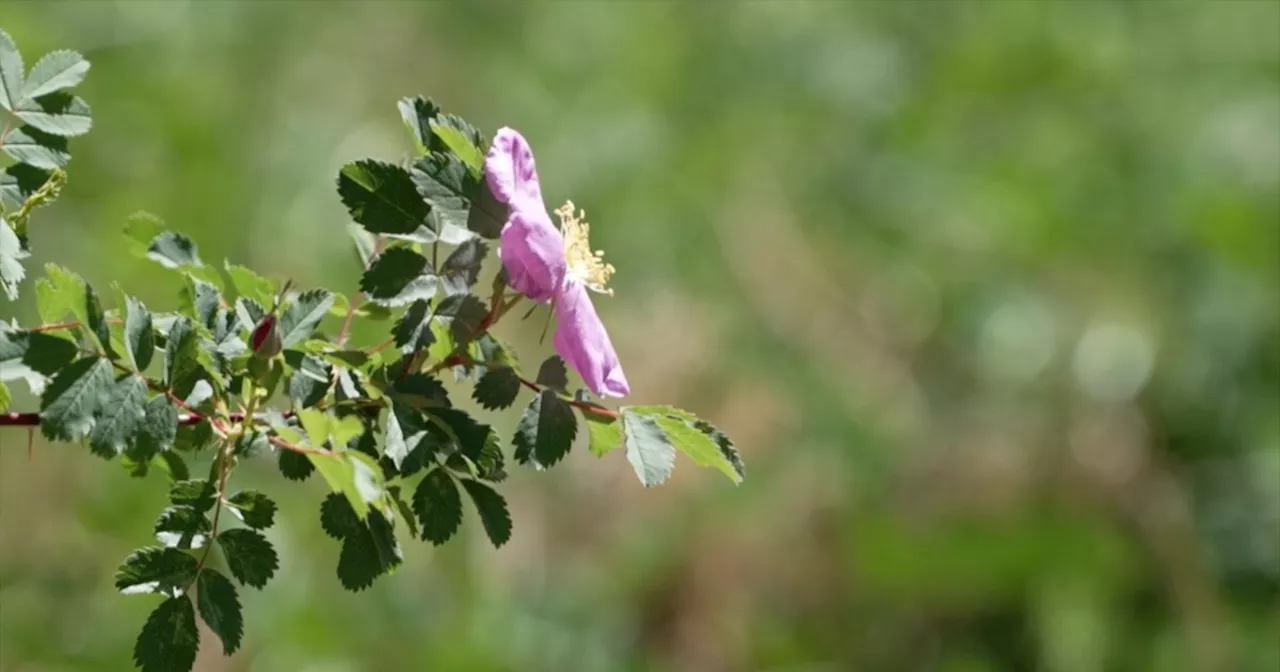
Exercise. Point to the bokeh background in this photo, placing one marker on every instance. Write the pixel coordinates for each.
(987, 293)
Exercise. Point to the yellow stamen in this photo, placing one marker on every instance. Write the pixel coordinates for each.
(587, 266)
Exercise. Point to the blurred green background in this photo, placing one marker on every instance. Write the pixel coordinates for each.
(987, 293)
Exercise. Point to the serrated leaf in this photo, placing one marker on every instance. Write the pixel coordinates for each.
(366, 243)
(11, 70)
(445, 183)
(295, 466)
(727, 449)
(169, 639)
(69, 403)
(700, 447)
(96, 321)
(398, 277)
(173, 250)
(462, 313)
(648, 450)
(406, 429)
(417, 114)
(337, 517)
(497, 389)
(140, 229)
(250, 285)
(220, 608)
(382, 198)
(310, 381)
(460, 144)
(12, 254)
(301, 317)
(60, 114)
(488, 215)
(198, 494)
(419, 391)
(33, 146)
(553, 374)
(492, 509)
(354, 475)
(159, 429)
(164, 571)
(200, 300)
(546, 431)
(462, 267)
(119, 417)
(182, 527)
(55, 71)
(24, 352)
(249, 312)
(179, 350)
(253, 509)
(249, 555)
(18, 182)
(604, 431)
(438, 505)
(58, 293)
(413, 330)
(316, 424)
(139, 334)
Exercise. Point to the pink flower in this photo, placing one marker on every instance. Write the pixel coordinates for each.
(550, 264)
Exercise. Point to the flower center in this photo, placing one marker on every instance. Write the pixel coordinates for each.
(582, 264)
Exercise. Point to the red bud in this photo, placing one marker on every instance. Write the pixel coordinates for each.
(265, 339)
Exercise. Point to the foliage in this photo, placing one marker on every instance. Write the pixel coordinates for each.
(241, 368)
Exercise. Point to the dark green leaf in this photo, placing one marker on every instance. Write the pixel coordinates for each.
(60, 114)
(119, 417)
(97, 321)
(337, 517)
(139, 334)
(399, 276)
(493, 511)
(250, 556)
(406, 513)
(382, 197)
(165, 571)
(367, 553)
(487, 216)
(192, 438)
(169, 639)
(461, 269)
(497, 389)
(727, 449)
(438, 505)
(383, 535)
(173, 250)
(302, 316)
(18, 182)
(179, 350)
(182, 527)
(69, 403)
(253, 509)
(310, 380)
(406, 431)
(420, 391)
(55, 71)
(198, 494)
(546, 431)
(34, 351)
(220, 608)
(648, 450)
(201, 300)
(463, 313)
(553, 374)
(249, 312)
(11, 70)
(295, 466)
(413, 330)
(37, 148)
(417, 114)
(444, 182)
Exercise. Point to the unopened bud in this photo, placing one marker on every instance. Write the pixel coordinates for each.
(265, 339)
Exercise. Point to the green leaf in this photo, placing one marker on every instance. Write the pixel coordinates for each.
(488, 215)
(463, 314)
(97, 321)
(253, 509)
(179, 350)
(6, 397)
(55, 71)
(399, 276)
(40, 149)
(310, 381)
(169, 639)
(140, 228)
(119, 417)
(198, 494)
(250, 556)
(200, 300)
(492, 509)
(459, 142)
(413, 330)
(461, 269)
(337, 517)
(60, 114)
(445, 183)
(419, 391)
(173, 250)
(648, 450)
(406, 430)
(604, 431)
(164, 571)
(727, 449)
(58, 293)
(175, 465)
(497, 389)
(19, 182)
(417, 114)
(69, 403)
(250, 285)
(182, 527)
(295, 466)
(700, 447)
(316, 425)
(220, 608)
(354, 475)
(546, 431)
(249, 312)
(438, 505)
(139, 334)
(23, 353)
(11, 70)
(301, 317)
(382, 198)
(406, 513)
(553, 374)
(12, 253)
(366, 243)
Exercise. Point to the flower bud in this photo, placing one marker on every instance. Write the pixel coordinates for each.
(265, 339)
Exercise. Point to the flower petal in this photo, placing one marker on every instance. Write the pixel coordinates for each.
(509, 168)
(582, 341)
(532, 251)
